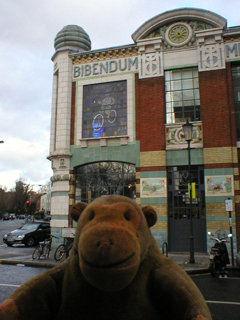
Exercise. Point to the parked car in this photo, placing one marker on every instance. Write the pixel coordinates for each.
(12, 216)
(28, 234)
(22, 216)
(6, 216)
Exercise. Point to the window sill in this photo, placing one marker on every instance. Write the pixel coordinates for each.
(103, 141)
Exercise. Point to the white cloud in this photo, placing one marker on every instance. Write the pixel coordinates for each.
(28, 29)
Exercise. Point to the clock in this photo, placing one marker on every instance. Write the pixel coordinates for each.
(178, 34)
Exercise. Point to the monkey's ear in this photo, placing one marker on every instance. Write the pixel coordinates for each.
(150, 215)
(77, 209)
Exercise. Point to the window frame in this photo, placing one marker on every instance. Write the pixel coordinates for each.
(84, 142)
(176, 95)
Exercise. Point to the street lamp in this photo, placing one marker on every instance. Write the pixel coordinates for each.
(188, 132)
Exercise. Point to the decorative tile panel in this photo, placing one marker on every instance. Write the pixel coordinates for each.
(150, 58)
(211, 50)
(175, 138)
(150, 65)
(211, 57)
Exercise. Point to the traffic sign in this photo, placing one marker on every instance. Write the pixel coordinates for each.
(228, 205)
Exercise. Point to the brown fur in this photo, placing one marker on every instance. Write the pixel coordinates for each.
(116, 271)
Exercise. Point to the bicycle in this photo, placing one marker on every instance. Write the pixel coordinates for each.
(43, 249)
(63, 249)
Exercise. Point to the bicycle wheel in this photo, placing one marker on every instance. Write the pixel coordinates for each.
(47, 252)
(36, 253)
(60, 252)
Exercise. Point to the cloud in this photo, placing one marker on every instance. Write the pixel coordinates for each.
(26, 156)
(28, 29)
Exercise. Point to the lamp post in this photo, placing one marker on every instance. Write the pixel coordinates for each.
(188, 132)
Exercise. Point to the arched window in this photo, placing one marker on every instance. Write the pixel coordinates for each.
(104, 178)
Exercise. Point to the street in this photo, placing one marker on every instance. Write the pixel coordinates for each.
(16, 250)
(11, 277)
(221, 294)
(9, 225)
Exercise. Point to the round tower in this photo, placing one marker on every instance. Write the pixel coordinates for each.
(69, 39)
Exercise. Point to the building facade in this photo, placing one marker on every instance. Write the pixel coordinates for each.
(45, 200)
(118, 116)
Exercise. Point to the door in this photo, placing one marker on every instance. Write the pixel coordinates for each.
(179, 215)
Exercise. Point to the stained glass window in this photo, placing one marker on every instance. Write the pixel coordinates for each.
(105, 109)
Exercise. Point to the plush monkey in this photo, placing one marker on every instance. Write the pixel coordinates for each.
(115, 271)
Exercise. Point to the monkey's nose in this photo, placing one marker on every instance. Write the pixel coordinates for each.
(105, 243)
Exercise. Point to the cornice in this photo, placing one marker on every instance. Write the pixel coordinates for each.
(105, 54)
(178, 15)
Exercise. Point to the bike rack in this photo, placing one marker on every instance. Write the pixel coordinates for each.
(165, 245)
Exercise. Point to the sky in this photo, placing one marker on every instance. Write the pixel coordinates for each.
(28, 29)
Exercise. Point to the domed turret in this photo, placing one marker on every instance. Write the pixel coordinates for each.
(72, 36)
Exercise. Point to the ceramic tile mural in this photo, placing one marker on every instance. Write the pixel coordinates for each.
(219, 186)
(153, 187)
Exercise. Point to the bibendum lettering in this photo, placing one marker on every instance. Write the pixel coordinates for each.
(106, 67)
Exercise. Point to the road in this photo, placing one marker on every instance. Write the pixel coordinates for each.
(16, 250)
(11, 277)
(9, 225)
(222, 295)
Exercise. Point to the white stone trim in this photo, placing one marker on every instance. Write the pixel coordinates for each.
(178, 15)
(130, 98)
(59, 223)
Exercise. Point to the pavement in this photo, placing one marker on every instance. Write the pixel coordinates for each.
(201, 264)
(182, 259)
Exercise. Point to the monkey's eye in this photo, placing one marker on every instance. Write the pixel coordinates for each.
(127, 216)
(91, 216)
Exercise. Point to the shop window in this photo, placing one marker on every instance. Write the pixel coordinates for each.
(182, 96)
(105, 110)
(104, 178)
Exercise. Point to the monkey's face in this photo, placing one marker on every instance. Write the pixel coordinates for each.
(109, 247)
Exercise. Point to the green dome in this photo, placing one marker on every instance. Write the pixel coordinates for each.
(72, 36)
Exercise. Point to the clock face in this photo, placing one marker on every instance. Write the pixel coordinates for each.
(178, 34)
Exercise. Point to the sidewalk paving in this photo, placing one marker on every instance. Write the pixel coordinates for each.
(201, 264)
(182, 259)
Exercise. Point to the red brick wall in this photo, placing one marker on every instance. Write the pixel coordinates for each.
(218, 118)
(217, 108)
(150, 113)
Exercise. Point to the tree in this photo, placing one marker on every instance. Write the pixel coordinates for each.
(20, 197)
(3, 204)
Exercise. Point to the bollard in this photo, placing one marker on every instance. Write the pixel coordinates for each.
(238, 259)
(165, 244)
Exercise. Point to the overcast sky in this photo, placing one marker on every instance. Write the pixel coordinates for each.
(28, 29)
